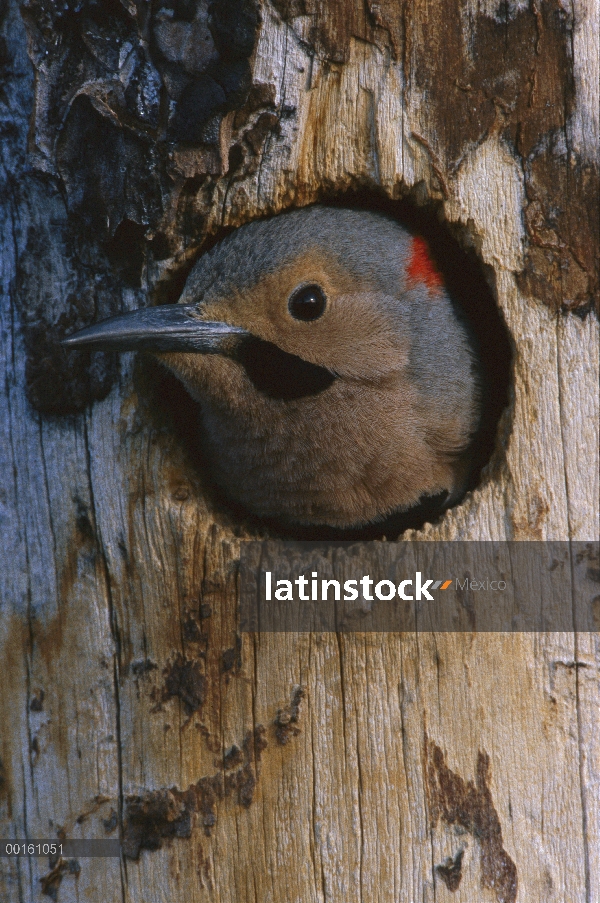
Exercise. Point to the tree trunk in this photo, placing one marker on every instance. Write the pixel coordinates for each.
(284, 767)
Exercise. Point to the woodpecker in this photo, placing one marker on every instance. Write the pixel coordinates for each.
(338, 383)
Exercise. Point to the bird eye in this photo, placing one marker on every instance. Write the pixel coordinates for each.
(307, 303)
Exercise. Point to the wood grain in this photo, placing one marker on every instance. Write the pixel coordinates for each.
(446, 767)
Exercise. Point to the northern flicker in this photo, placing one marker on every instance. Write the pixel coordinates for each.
(337, 381)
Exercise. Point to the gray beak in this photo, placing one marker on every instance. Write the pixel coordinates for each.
(168, 327)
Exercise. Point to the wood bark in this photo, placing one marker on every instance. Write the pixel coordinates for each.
(283, 767)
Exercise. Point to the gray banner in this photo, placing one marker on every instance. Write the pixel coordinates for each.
(420, 586)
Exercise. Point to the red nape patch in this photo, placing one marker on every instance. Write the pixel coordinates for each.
(421, 267)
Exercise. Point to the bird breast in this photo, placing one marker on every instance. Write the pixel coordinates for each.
(345, 456)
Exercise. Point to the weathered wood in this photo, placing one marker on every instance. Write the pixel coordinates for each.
(128, 695)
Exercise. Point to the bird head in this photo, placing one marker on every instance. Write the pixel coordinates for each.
(336, 380)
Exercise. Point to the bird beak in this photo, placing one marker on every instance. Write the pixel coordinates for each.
(168, 327)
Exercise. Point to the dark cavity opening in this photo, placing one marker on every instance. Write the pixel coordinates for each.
(471, 287)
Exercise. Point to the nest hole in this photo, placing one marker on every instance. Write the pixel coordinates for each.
(471, 285)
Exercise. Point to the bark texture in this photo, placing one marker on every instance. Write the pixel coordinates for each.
(283, 767)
